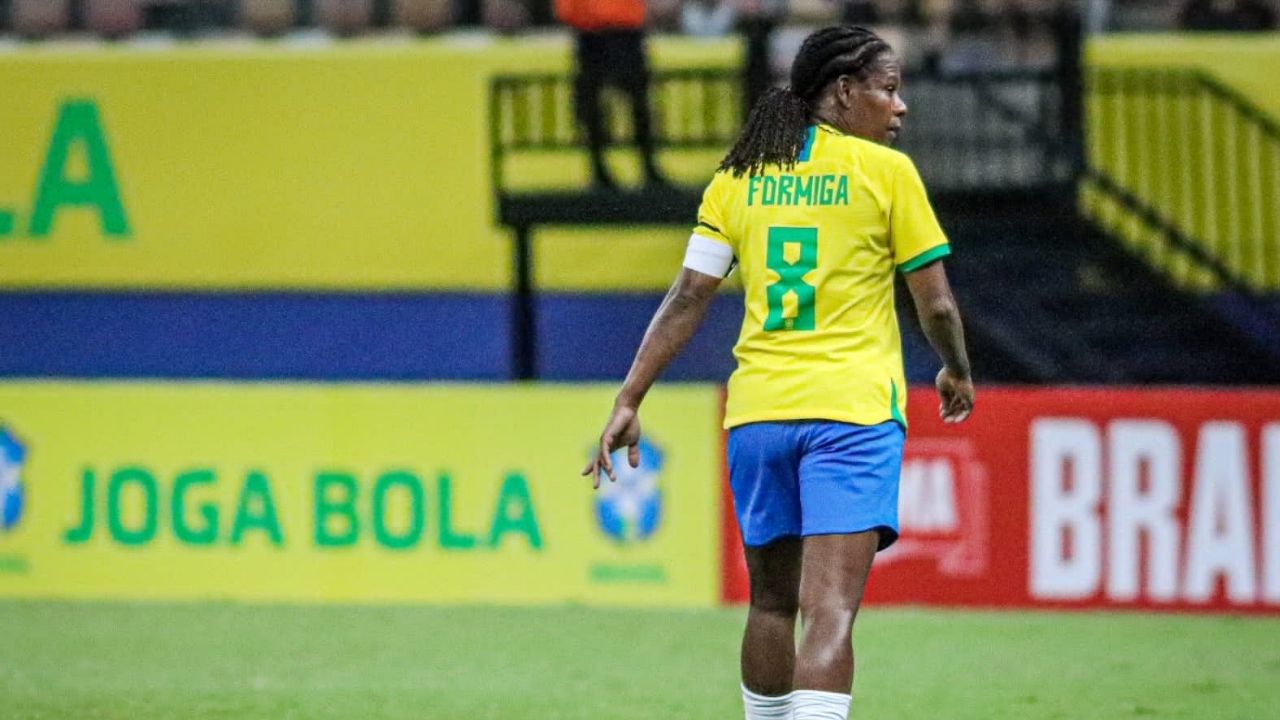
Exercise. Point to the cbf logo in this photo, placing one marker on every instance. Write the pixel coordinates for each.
(630, 510)
(12, 453)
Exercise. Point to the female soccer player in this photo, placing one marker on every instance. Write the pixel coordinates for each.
(818, 213)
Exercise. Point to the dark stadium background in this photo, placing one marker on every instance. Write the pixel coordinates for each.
(309, 312)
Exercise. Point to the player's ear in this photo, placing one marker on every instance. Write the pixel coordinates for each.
(846, 86)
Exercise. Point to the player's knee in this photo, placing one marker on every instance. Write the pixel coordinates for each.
(833, 613)
(775, 602)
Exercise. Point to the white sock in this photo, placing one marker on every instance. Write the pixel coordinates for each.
(819, 705)
(763, 707)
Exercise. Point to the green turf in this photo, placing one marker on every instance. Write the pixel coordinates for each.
(72, 660)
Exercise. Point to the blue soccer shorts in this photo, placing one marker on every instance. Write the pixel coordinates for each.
(806, 478)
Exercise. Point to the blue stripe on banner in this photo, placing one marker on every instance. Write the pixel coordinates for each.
(366, 336)
(595, 337)
(305, 336)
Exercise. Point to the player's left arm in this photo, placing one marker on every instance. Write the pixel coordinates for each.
(679, 315)
(919, 247)
(940, 320)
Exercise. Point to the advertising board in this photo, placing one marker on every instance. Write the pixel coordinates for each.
(1086, 498)
(353, 166)
(357, 493)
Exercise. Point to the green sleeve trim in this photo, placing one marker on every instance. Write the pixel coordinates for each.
(925, 258)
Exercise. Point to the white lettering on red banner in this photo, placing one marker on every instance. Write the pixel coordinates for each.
(1150, 553)
(1084, 498)
(942, 509)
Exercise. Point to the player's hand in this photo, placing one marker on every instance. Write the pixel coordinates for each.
(956, 394)
(622, 429)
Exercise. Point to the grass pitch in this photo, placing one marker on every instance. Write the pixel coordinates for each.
(144, 661)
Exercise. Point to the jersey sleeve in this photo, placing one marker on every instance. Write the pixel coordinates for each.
(712, 218)
(914, 232)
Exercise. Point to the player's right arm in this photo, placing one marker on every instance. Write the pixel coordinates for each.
(673, 324)
(708, 259)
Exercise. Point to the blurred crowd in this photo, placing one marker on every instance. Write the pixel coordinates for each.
(939, 19)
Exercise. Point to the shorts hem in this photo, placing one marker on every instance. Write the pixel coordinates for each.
(772, 539)
(888, 534)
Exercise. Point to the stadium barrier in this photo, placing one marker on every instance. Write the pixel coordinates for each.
(272, 165)
(1184, 157)
(1061, 498)
(1084, 498)
(353, 493)
(386, 185)
(1215, 187)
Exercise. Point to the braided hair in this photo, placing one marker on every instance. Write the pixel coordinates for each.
(775, 130)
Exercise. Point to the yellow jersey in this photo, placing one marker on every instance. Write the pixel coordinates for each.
(817, 246)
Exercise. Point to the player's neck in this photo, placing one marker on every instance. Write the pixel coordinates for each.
(821, 118)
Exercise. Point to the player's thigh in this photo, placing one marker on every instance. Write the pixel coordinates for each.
(849, 476)
(834, 572)
(764, 475)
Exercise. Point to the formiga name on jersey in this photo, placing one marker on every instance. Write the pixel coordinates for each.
(809, 190)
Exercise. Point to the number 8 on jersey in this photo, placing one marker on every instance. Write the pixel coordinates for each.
(792, 253)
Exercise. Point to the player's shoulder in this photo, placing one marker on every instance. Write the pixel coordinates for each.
(724, 183)
(869, 154)
(728, 176)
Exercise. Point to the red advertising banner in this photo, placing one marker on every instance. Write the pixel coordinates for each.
(1084, 498)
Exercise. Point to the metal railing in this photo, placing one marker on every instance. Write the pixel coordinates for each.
(533, 114)
(690, 107)
(976, 137)
(987, 132)
(984, 132)
(1187, 173)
